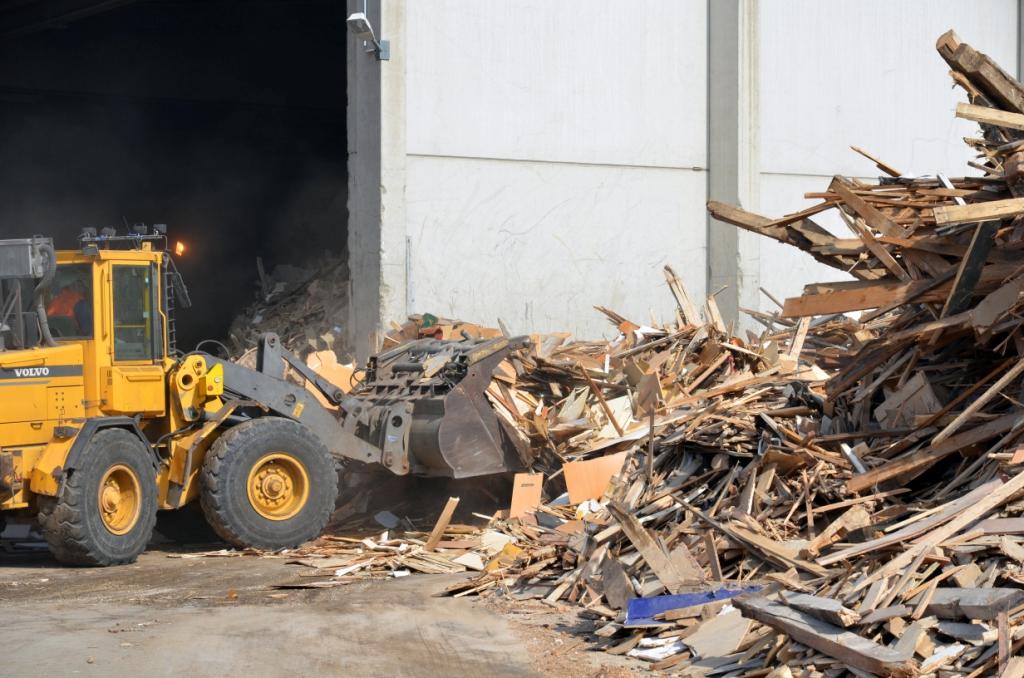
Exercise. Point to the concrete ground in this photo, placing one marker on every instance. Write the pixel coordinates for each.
(219, 617)
(167, 616)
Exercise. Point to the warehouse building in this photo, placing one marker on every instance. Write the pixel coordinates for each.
(518, 160)
(538, 158)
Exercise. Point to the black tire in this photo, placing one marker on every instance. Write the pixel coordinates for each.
(73, 524)
(224, 495)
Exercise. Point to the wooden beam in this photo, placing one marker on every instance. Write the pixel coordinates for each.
(951, 215)
(804, 234)
(919, 461)
(971, 514)
(990, 116)
(879, 294)
(915, 529)
(979, 403)
(848, 647)
(972, 603)
(826, 609)
(876, 248)
(997, 85)
(869, 213)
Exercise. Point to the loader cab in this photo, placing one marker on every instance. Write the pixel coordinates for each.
(111, 301)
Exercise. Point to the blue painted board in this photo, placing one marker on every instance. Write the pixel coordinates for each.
(641, 611)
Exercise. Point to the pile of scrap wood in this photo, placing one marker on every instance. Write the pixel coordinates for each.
(870, 524)
(307, 307)
(448, 547)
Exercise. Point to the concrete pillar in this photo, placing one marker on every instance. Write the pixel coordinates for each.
(376, 174)
(733, 152)
(1020, 40)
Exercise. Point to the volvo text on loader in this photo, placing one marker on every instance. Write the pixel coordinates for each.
(103, 422)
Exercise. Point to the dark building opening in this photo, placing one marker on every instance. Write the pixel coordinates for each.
(224, 119)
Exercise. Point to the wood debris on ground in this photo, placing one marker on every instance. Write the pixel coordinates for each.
(306, 306)
(768, 521)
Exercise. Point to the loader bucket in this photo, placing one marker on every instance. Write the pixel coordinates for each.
(468, 439)
(454, 431)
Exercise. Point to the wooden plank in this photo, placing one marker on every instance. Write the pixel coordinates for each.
(798, 338)
(844, 300)
(884, 614)
(1014, 668)
(919, 461)
(973, 603)
(1001, 526)
(853, 519)
(997, 85)
(686, 307)
(442, 524)
(719, 636)
(650, 551)
(990, 116)
(869, 213)
(947, 512)
(969, 515)
(767, 548)
(849, 648)
(884, 166)
(969, 271)
(618, 590)
(995, 305)
(826, 609)
(980, 402)
(713, 315)
(882, 294)
(804, 234)
(951, 215)
(712, 553)
(878, 249)
(601, 400)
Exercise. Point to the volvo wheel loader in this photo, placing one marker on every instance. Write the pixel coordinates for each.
(103, 422)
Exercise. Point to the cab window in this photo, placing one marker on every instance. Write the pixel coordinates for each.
(69, 303)
(134, 313)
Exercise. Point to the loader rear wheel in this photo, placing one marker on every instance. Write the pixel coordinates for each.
(106, 511)
(269, 483)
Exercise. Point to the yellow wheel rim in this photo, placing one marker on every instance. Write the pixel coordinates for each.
(120, 499)
(278, 486)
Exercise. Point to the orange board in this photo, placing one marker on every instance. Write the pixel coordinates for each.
(589, 479)
(526, 493)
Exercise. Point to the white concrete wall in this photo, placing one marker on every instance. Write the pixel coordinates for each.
(556, 152)
(555, 162)
(835, 74)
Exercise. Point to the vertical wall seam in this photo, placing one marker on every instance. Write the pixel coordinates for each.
(708, 142)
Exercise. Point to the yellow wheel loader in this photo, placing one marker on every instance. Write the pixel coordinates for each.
(103, 422)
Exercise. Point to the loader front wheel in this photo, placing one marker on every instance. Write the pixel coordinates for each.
(106, 511)
(269, 484)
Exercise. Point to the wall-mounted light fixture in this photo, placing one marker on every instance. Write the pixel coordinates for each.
(360, 27)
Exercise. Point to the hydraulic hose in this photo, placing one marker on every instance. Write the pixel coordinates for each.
(41, 289)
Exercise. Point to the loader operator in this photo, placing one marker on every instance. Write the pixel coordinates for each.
(73, 306)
